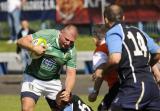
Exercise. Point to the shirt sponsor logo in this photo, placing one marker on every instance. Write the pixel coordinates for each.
(48, 64)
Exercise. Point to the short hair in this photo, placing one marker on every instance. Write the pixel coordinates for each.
(113, 13)
(70, 26)
(99, 31)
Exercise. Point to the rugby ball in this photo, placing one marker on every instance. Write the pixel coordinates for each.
(38, 41)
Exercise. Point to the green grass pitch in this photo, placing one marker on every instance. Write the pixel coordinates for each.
(12, 103)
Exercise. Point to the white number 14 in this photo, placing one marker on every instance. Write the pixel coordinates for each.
(140, 47)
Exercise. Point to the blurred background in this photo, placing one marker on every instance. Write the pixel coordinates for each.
(44, 14)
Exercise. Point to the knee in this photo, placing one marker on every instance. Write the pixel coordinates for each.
(27, 108)
(28, 104)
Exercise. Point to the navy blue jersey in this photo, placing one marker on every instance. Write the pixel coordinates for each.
(138, 90)
(135, 59)
(77, 104)
(135, 48)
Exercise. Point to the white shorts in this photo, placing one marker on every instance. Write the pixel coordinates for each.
(48, 89)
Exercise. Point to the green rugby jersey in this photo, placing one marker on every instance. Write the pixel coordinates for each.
(49, 65)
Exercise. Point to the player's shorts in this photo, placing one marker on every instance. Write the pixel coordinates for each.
(109, 97)
(34, 88)
(143, 96)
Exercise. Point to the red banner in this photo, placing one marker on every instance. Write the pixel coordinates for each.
(90, 11)
(75, 11)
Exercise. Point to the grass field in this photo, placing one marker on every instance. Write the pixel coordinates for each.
(83, 43)
(12, 103)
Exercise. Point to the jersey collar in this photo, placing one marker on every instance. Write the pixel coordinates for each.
(57, 40)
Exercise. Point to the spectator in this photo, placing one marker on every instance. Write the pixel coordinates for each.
(14, 11)
(25, 30)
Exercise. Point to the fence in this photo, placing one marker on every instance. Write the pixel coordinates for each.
(11, 64)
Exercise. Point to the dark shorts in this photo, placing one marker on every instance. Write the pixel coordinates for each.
(108, 98)
(51, 103)
(143, 96)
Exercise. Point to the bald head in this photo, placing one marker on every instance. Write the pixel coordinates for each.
(68, 36)
(113, 13)
(71, 30)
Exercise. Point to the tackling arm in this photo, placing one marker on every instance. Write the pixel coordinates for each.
(155, 58)
(26, 42)
(69, 84)
(70, 80)
(156, 73)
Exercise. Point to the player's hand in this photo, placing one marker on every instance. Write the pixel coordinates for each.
(39, 50)
(96, 76)
(93, 77)
(65, 96)
(92, 96)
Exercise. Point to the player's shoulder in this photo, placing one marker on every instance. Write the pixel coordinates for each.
(48, 31)
(116, 29)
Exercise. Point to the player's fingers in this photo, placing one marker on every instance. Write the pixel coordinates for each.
(65, 94)
(93, 77)
(65, 99)
(44, 46)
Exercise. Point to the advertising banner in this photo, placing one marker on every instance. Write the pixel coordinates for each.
(79, 11)
(32, 10)
(84, 11)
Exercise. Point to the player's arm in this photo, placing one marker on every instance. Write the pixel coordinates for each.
(155, 58)
(70, 76)
(26, 42)
(69, 83)
(114, 43)
(97, 83)
(99, 60)
(156, 72)
(112, 64)
(70, 79)
(154, 49)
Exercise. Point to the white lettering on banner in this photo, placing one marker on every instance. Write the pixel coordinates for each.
(3, 6)
(95, 3)
(33, 5)
(50, 4)
(39, 5)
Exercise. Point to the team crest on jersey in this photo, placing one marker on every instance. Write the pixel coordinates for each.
(48, 64)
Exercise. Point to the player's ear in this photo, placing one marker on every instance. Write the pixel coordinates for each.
(106, 20)
(123, 18)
